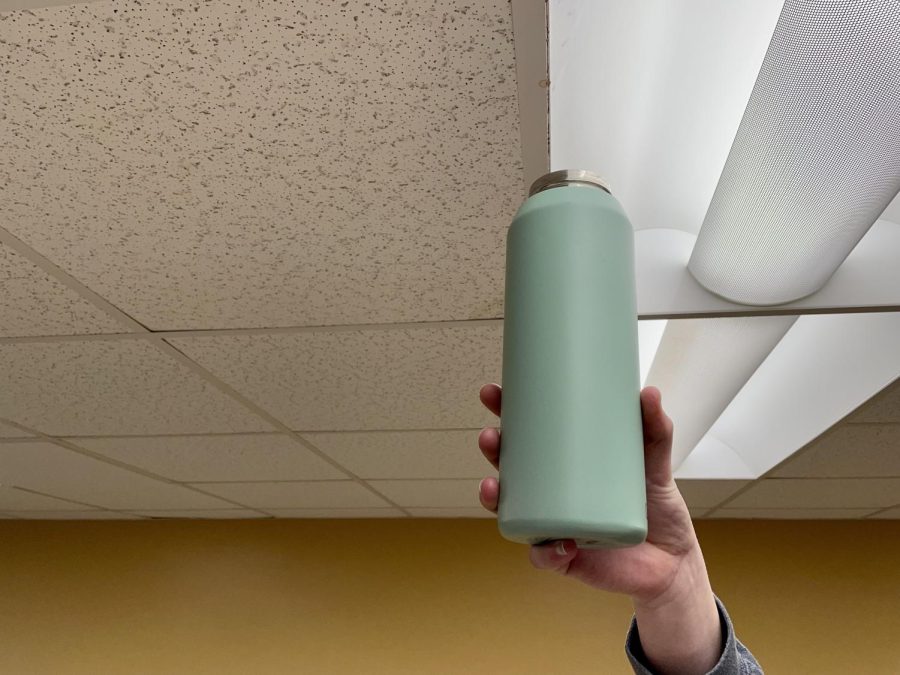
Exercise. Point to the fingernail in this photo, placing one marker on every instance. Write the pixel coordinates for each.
(561, 548)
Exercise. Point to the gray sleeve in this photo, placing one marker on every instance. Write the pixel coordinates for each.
(736, 659)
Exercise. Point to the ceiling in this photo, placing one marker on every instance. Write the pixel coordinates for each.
(251, 266)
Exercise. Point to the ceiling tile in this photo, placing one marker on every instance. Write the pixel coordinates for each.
(791, 514)
(458, 512)
(13, 499)
(814, 493)
(74, 515)
(698, 512)
(708, 493)
(337, 513)
(60, 472)
(360, 379)
(204, 514)
(406, 454)
(239, 457)
(883, 407)
(296, 164)
(850, 450)
(109, 387)
(33, 303)
(441, 493)
(298, 494)
(890, 513)
(7, 431)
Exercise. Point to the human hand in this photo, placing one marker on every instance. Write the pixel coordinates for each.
(665, 575)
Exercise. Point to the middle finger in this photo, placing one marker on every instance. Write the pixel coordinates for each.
(489, 442)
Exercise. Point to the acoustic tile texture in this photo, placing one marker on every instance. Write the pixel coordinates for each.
(200, 514)
(406, 454)
(820, 493)
(708, 493)
(336, 178)
(15, 499)
(287, 495)
(33, 303)
(7, 431)
(206, 164)
(217, 458)
(884, 408)
(53, 470)
(441, 493)
(851, 450)
(111, 387)
(360, 379)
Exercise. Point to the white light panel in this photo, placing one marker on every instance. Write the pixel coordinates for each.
(869, 277)
(649, 335)
(824, 368)
(702, 364)
(650, 95)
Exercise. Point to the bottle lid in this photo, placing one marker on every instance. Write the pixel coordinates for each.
(567, 177)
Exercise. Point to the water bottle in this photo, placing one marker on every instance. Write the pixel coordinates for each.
(572, 459)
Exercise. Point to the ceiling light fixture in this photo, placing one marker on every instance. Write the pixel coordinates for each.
(816, 158)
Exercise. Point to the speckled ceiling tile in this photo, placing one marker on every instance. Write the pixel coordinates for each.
(360, 379)
(7, 431)
(111, 387)
(212, 164)
(59, 472)
(237, 457)
(406, 454)
(33, 303)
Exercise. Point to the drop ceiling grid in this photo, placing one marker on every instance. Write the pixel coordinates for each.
(499, 104)
(864, 446)
(230, 152)
(471, 196)
(168, 351)
(33, 302)
(44, 347)
(466, 503)
(61, 470)
(398, 379)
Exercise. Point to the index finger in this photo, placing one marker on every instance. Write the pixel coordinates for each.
(490, 396)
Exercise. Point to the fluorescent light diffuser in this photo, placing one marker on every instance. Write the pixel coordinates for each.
(702, 364)
(650, 95)
(824, 368)
(816, 158)
(649, 336)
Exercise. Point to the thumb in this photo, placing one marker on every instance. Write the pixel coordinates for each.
(658, 429)
(555, 555)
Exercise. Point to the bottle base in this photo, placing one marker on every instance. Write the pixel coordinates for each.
(594, 535)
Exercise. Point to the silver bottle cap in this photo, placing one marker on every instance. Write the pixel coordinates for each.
(567, 177)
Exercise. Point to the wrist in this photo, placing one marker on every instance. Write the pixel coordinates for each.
(689, 581)
(680, 628)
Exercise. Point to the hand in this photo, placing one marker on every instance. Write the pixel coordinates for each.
(665, 575)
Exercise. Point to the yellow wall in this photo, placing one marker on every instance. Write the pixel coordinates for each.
(412, 597)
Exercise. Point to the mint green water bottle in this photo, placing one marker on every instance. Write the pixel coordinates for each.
(572, 459)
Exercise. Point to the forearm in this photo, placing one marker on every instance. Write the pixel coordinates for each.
(680, 631)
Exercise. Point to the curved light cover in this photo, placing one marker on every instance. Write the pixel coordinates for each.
(816, 158)
(702, 364)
